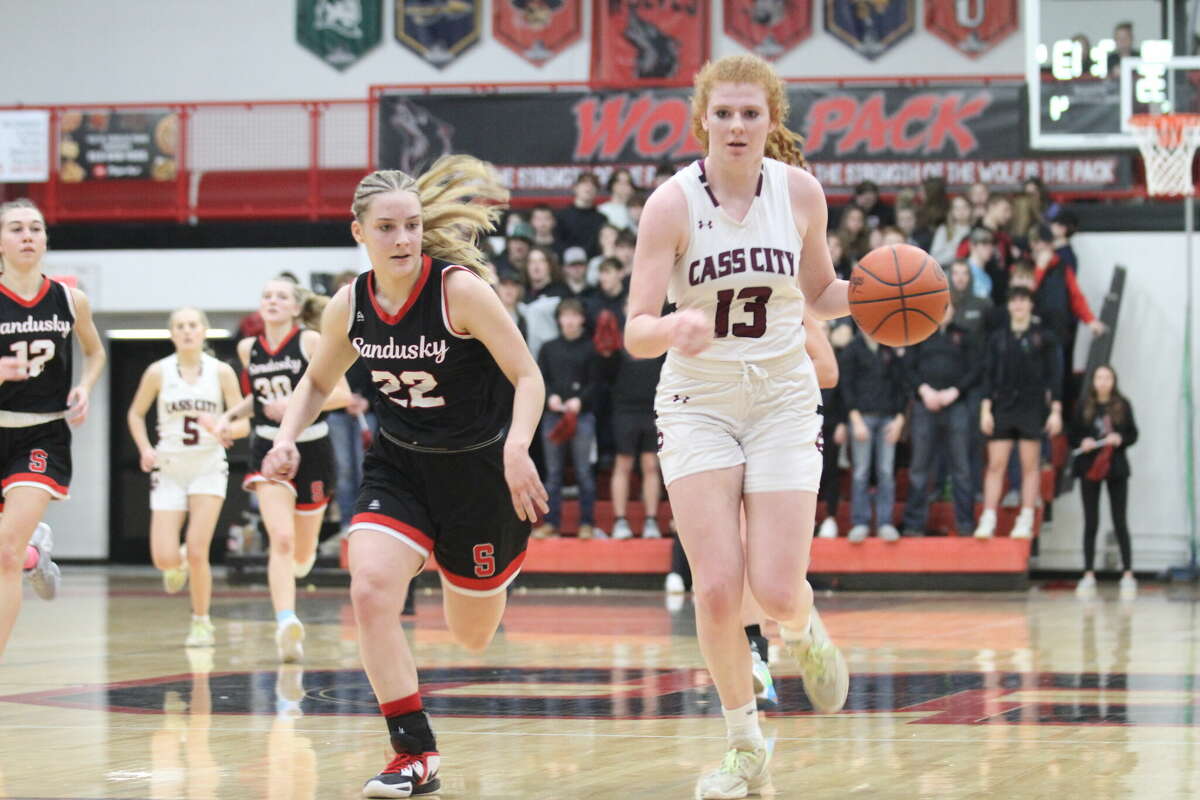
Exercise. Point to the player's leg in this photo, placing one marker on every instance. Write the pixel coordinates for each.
(166, 554)
(203, 511)
(998, 452)
(277, 505)
(307, 525)
(316, 482)
(381, 567)
(753, 618)
(651, 492)
(24, 507)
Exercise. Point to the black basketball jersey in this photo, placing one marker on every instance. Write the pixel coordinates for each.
(40, 331)
(275, 373)
(436, 388)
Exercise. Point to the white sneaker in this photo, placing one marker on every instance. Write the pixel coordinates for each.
(289, 639)
(621, 529)
(649, 530)
(858, 533)
(200, 635)
(987, 525)
(175, 579)
(765, 696)
(674, 584)
(302, 568)
(741, 772)
(45, 574)
(1128, 587)
(1086, 588)
(828, 529)
(826, 676)
(889, 533)
(1023, 527)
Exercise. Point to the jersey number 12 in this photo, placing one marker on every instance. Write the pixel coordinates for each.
(37, 353)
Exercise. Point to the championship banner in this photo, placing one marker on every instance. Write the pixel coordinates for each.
(634, 41)
(339, 32)
(537, 30)
(972, 26)
(104, 145)
(768, 28)
(439, 31)
(896, 136)
(871, 27)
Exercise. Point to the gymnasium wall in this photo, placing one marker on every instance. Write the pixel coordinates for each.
(220, 50)
(133, 289)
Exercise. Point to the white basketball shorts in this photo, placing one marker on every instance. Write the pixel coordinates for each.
(181, 474)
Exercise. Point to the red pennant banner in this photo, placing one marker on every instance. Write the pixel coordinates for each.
(537, 30)
(635, 42)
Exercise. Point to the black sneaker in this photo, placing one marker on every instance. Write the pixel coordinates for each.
(407, 775)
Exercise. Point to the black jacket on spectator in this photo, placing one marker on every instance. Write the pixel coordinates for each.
(571, 368)
(580, 227)
(634, 381)
(1021, 368)
(950, 357)
(1082, 427)
(596, 300)
(833, 410)
(872, 382)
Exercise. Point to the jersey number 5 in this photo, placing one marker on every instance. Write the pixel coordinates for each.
(756, 298)
(419, 385)
(37, 353)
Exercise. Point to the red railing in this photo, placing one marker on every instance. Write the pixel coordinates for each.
(235, 160)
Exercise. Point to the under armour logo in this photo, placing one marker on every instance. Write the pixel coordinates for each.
(680, 398)
(705, 223)
(373, 505)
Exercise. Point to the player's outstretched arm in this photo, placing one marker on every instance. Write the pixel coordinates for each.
(94, 358)
(663, 235)
(826, 296)
(475, 308)
(148, 389)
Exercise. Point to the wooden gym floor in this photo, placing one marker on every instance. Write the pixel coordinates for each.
(603, 695)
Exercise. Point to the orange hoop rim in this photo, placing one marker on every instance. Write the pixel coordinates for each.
(1170, 127)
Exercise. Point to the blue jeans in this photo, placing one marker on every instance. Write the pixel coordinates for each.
(884, 453)
(581, 456)
(345, 434)
(946, 431)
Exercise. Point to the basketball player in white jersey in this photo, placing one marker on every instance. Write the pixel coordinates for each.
(188, 471)
(737, 242)
(38, 320)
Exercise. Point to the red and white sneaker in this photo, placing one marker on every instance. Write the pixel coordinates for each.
(406, 776)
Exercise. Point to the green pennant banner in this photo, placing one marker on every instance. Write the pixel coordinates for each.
(339, 32)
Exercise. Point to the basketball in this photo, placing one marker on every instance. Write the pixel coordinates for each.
(898, 294)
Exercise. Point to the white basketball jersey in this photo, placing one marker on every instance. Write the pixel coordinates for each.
(743, 275)
(180, 403)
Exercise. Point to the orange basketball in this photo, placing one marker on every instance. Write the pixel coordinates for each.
(898, 294)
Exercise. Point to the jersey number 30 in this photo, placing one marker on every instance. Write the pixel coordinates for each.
(419, 385)
(756, 298)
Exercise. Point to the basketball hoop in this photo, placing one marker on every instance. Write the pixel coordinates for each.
(1168, 142)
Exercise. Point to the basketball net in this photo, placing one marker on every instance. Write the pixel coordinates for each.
(1168, 142)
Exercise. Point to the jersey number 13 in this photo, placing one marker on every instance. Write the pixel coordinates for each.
(756, 298)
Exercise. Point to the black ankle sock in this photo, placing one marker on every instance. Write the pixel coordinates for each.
(411, 733)
(757, 640)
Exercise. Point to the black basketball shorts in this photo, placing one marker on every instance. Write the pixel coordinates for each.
(635, 432)
(37, 455)
(454, 506)
(1018, 422)
(315, 478)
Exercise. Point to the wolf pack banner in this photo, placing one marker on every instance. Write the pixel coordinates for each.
(897, 136)
(339, 32)
(439, 31)
(107, 145)
(972, 26)
(648, 40)
(871, 27)
(537, 30)
(768, 28)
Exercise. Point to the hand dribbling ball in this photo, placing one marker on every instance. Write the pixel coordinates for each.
(898, 295)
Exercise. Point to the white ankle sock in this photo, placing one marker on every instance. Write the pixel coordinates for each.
(200, 618)
(795, 636)
(741, 726)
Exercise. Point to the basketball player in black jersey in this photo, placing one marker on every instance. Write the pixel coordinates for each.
(292, 510)
(450, 473)
(37, 318)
